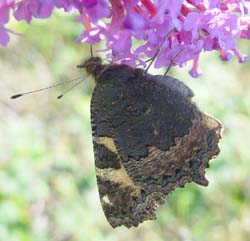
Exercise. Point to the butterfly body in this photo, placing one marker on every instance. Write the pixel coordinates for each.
(149, 138)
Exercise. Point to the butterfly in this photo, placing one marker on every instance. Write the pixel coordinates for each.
(149, 138)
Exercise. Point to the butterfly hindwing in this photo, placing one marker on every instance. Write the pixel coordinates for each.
(149, 138)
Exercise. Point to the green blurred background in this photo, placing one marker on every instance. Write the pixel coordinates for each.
(48, 188)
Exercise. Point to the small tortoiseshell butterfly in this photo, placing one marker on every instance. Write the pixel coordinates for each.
(149, 138)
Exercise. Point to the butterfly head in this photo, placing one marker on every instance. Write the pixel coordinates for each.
(92, 65)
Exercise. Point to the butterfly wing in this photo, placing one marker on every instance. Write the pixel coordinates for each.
(149, 138)
(123, 201)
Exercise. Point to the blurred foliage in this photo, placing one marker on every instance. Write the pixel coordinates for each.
(48, 189)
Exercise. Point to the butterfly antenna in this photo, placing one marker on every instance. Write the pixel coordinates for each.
(157, 52)
(68, 90)
(46, 88)
(173, 61)
(91, 51)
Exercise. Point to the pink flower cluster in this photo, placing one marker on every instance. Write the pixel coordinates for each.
(180, 29)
